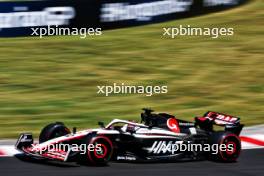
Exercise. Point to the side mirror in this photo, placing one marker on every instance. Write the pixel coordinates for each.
(101, 124)
(150, 126)
(74, 130)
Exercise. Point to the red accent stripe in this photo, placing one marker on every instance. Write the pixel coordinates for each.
(2, 153)
(53, 156)
(252, 140)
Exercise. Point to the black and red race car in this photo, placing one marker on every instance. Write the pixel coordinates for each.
(156, 139)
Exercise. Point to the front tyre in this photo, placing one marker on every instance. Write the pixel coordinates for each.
(102, 150)
(52, 131)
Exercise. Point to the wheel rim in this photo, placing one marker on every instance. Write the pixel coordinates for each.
(105, 152)
(234, 153)
(234, 148)
(102, 153)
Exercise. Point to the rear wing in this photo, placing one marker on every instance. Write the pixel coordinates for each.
(221, 119)
(230, 123)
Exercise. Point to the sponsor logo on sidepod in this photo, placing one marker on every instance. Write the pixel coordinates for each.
(47, 17)
(164, 147)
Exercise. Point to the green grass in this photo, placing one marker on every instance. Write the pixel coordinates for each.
(55, 78)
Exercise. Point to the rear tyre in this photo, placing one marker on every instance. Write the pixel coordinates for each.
(53, 130)
(232, 146)
(101, 153)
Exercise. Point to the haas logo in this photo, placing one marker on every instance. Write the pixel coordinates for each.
(173, 125)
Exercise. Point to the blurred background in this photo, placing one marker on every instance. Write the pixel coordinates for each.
(55, 78)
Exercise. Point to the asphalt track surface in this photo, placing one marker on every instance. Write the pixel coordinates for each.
(251, 162)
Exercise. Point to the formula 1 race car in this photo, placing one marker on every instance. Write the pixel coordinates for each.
(157, 138)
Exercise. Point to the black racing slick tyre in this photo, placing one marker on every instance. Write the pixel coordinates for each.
(53, 130)
(101, 153)
(231, 146)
